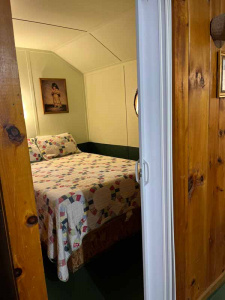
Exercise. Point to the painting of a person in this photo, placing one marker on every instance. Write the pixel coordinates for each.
(56, 95)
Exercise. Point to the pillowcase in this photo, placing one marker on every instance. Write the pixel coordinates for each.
(34, 152)
(52, 146)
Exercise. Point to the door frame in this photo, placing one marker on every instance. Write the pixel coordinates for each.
(15, 172)
(154, 60)
(19, 212)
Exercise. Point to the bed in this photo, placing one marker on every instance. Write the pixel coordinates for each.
(85, 202)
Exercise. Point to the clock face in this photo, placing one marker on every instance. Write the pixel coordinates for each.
(136, 102)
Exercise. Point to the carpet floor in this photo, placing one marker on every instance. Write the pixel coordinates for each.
(115, 274)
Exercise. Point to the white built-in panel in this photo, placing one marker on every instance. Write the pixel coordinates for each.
(105, 96)
(87, 54)
(38, 36)
(120, 36)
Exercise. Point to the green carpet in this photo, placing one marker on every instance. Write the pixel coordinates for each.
(219, 294)
(116, 274)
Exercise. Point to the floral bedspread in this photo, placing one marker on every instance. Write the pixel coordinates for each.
(78, 193)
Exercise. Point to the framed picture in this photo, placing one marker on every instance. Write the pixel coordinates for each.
(54, 95)
(221, 74)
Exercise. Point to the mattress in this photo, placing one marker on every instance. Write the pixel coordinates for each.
(78, 193)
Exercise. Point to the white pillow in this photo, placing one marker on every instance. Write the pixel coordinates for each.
(35, 154)
(52, 146)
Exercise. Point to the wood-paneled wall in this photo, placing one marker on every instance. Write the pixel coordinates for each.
(199, 149)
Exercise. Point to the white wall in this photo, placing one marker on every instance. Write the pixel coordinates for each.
(109, 117)
(130, 70)
(35, 64)
(110, 105)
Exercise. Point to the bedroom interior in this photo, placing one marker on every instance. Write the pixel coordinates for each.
(99, 65)
(78, 80)
(96, 55)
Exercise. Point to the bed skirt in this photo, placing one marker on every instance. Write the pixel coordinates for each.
(102, 238)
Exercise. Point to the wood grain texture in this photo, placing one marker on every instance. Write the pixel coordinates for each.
(201, 262)
(7, 282)
(215, 161)
(15, 171)
(219, 260)
(199, 66)
(180, 137)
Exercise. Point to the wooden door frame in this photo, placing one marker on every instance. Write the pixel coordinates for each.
(8, 281)
(15, 173)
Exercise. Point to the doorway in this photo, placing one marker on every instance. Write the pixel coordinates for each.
(165, 238)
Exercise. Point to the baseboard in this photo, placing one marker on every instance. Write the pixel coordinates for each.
(110, 150)
(83, 147)
(213, 287)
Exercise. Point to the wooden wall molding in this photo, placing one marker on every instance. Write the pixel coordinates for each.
(213, 287)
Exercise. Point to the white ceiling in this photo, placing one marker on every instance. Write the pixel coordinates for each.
(104, 35)
(120, 35)
(38, 36)
(87, 54)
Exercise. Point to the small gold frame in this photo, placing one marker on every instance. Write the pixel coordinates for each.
(49, 107)
(221, 75)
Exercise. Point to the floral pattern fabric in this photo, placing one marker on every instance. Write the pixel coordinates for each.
(34, 152)
(52, 146)
(78, 193)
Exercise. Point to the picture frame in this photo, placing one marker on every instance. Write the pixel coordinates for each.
(54, 95)
(221, 75)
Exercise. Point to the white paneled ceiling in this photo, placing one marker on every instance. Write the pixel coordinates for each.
(120, 36)
(81, 14)
(87, 54)
(38, 36)
(102, 32)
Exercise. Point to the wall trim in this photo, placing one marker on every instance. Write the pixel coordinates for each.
(125, 100)
(111, 66)
(49, 52)
(32, 91)
(213, 287)
(119, 151)
(86, 107)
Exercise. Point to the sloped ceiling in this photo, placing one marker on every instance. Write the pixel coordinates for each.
(89, 34)
(39, 36)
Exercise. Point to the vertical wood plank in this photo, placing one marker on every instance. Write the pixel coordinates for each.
(15, 171)
(201, 232)
(215, 161)
(199, 67)
(180, 137)
(218, 261)
(223, 155)
(7, 282)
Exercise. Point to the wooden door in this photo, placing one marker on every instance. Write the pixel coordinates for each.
(18, 210)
